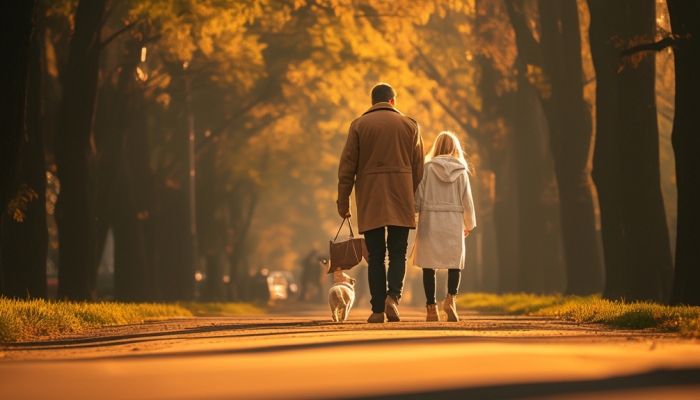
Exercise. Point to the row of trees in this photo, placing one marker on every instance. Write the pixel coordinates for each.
(130, 103)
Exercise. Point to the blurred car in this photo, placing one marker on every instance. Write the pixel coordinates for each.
(281, 285)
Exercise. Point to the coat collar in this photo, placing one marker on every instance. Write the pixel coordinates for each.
(382, 106)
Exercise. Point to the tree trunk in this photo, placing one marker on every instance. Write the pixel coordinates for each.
(626, 161)
(237, 259)
(540, 268)
(16, 25)
(685, 19)
(526, 216)
(570, 132)
(505, 216)
(132, 224)
(25, 243)
(75, 157)
(501, 160)
(554, 68)
(126, 182)
(211, 228)
(173, 242)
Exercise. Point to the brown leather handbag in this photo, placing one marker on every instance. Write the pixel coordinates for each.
(347, 253)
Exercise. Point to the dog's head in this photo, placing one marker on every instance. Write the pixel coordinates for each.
(342, 277)
(348, 279)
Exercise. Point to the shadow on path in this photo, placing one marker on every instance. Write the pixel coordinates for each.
(437, 339)
(662, 378)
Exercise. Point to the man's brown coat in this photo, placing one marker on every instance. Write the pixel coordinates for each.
(383, 159)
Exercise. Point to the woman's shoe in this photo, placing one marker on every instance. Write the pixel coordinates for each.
(450, 307)
(391, 310)
(432, 314)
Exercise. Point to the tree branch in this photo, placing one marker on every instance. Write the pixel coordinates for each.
(656, 46)
(478, 138)
(429, 68)
(119, 32)
(378, 15)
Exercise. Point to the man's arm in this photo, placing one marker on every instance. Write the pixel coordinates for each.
(418, 158)
(347, 170)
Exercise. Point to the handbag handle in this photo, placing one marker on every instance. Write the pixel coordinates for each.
(352, 234)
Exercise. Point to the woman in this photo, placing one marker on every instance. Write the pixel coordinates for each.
(446, 214)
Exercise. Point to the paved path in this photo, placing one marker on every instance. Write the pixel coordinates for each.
(302, 355)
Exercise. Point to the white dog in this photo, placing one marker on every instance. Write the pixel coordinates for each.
(341, 296)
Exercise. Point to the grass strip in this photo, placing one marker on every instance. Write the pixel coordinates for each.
(23, 320)
(220, 309)
(591, 309)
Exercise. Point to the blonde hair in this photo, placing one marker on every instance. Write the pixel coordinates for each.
(447, 144)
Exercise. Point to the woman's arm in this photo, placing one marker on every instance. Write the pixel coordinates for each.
(418, 195)
(468, 205)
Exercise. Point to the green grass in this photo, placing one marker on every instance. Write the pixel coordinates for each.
(511, 304)
(23, 320)
(220, 309)
(591, 309)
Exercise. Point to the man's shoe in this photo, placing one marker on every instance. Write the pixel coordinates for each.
(376, 318)
(432, 313)
(391, 310)
(450, 307)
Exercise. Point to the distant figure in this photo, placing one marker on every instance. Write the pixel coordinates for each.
(310, 285)
(383, 160)
(261, 289)
(446, 216)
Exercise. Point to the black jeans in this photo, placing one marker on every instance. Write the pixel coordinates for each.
(453, 277)
(396, 242)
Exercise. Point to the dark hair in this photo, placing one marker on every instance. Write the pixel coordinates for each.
(382, 92)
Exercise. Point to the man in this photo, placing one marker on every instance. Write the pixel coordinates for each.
(383, 159)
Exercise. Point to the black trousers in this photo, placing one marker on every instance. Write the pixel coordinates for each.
(453, 277)
(396, 242)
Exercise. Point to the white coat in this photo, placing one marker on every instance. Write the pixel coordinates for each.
(446, 208)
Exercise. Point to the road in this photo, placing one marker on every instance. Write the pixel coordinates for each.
(300, 354)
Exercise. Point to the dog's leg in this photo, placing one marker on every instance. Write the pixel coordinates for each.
(334, 310)
(335, 316)
(349, 305)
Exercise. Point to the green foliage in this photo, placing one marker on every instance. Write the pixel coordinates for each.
(590, 310)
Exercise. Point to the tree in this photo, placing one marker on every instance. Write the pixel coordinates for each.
(686, 145)
(17, 24)
(554, 67)
(125, 180)
(75, 156)
(512, 116)
(626, 159)
(24, 231)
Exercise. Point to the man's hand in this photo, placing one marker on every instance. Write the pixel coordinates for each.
(466, 232)
(348, 215)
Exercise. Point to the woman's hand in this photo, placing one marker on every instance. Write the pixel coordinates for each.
(466, 232)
